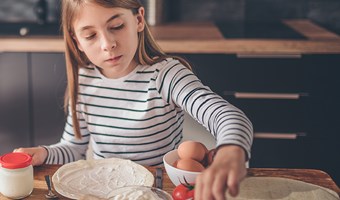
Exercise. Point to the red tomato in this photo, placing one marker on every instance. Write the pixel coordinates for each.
(183, 192)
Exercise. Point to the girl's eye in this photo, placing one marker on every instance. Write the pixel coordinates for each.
(90, 37)
(117, 27)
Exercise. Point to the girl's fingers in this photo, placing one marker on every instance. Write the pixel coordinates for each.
(235, 177)
(208, 179)
(37, 158)
(198, 187)
(18, 150)
(203, 185)
(35, 161)
(219, 187)
(232, 183)
(29, 151)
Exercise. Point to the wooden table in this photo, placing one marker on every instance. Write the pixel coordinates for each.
(307, 175)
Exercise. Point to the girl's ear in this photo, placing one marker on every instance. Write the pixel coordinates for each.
(140, 19)
(76, 41)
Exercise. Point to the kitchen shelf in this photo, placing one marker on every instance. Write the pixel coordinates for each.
(201, 38)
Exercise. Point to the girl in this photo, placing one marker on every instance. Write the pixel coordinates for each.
(130, 97)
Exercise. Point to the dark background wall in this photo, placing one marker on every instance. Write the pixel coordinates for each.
(323, 12)
(24, 10)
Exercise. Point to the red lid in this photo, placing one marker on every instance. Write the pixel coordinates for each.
(15, 160)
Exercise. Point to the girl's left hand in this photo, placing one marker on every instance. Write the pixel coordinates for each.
(227, 170)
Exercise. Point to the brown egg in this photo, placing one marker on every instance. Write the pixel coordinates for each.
(192, 150)
(175, 164)
(189, 165)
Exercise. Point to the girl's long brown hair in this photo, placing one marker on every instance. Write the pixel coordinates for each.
(148, 52)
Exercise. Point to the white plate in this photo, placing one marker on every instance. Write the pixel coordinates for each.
(99, 177)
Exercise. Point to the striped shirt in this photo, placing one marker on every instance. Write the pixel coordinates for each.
(140, 116)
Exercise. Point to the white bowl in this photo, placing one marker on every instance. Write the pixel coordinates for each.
(177, 175)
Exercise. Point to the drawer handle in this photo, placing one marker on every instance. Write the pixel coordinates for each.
(253, 95)
(287, 136)
(251, 55)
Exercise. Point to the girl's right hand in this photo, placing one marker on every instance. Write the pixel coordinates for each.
(39, 154)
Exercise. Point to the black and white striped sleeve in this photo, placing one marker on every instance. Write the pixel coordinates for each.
(228, 124)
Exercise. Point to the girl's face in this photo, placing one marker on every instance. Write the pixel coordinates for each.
(109, 37)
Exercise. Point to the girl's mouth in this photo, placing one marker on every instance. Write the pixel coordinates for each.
(114, 59)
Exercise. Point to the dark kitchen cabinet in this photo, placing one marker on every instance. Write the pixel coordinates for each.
(281, 153)
(32, 87)
(323, 72)
(15, 127)
(48, 89)
(292, 100)
(323, 82)
(270, 91)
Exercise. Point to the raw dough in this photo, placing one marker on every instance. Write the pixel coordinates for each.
(271, 188)
(99, 177)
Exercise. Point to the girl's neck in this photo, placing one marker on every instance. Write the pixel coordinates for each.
(113, 73)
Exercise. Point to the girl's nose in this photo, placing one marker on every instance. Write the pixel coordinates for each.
(108, 42)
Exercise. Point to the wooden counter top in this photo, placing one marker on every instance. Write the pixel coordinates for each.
(204, 38)
(316, 177)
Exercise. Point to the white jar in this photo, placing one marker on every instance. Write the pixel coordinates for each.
(16, 175)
